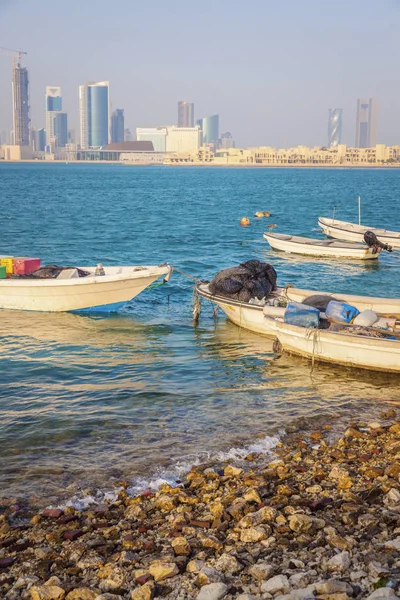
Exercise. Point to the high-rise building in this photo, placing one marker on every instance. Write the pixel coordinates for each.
(117, 126)
(38, 140)
(20, 87)
(227, 141)
(185, 114)
(53, 100)
(210, 128)
(128, 135)
(335, 127)
(61, 129)
(156, 135)
(367, 123)
(94, 104)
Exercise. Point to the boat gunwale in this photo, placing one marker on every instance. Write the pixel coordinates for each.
(334, 244)
(88, 280)
(378, 231)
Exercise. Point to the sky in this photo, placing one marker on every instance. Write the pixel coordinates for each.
(270, 69)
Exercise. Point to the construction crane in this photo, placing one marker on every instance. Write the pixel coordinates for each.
(9, 51)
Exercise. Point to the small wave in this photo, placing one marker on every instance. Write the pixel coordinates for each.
(175, 472)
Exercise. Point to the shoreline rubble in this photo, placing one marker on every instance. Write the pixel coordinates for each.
(319, 519)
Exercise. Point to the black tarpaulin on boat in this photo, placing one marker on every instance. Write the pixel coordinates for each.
(251, 279)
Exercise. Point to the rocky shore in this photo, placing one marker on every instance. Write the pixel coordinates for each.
(320, 519)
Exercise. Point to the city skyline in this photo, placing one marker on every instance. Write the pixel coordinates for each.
(261, 84)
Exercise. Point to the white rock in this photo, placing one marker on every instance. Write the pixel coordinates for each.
(299, 580)
(341, 562)
(382, 594)
(279, 583)
(357, 575)
(302, 593)
(246, 597)
(213, 591)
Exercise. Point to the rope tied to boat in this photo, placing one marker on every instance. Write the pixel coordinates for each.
(196, 299)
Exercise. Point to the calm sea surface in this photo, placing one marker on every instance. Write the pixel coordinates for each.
(142, 395)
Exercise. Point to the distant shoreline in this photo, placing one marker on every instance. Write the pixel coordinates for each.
(231, 166)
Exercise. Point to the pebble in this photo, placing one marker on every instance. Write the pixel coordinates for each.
(213, 591)
(279, 583)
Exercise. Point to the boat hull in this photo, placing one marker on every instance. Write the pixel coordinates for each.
(340, 250)
(342, 230)
(251, 316)
(363, 352)
(106, 293)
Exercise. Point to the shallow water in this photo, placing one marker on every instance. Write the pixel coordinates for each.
(88, 401)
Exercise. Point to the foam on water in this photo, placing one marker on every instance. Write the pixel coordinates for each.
(175, 472)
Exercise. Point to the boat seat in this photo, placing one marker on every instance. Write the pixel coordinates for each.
(68, 274)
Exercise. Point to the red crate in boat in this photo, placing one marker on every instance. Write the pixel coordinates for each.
(25, 266)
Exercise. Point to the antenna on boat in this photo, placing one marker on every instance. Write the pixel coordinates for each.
(334, 212)
(359, 210)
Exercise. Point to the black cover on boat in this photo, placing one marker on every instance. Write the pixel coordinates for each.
(50, 272)
(251, 279)
(319, 301)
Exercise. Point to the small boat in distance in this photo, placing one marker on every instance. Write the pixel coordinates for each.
(321, 248)
(251, 316)
(343, 230)
(347, 347)
(92, 293)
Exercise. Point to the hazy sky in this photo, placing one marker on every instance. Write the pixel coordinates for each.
(270, 69)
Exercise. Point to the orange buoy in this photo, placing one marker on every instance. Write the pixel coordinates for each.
(245, 221)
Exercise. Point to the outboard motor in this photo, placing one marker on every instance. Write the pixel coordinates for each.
(372, 242)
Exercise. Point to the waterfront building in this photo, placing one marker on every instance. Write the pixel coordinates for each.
(128, 135)
(156, 135)
(183, 139)
(185, 114)
(335, 127)
(71, 136)
(117, 126)
(94, 111)
(53, 105)
(367, 123)
(210, 129)
(226, 141)
(20, 89)
(61, 129)
(38, 139)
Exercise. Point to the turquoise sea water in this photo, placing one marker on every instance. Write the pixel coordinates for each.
(88, 401)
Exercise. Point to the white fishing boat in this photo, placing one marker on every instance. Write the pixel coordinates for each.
(340, 347)
(352, 232)
(251, 316)
(92, 293)
(321, 248)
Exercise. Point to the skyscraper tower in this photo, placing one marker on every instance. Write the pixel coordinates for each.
(367, 123)
(335, 127)
(94, 111)
(117, 126)
(210, 128)
(56, 119)
(185, 114)
(20, 88)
